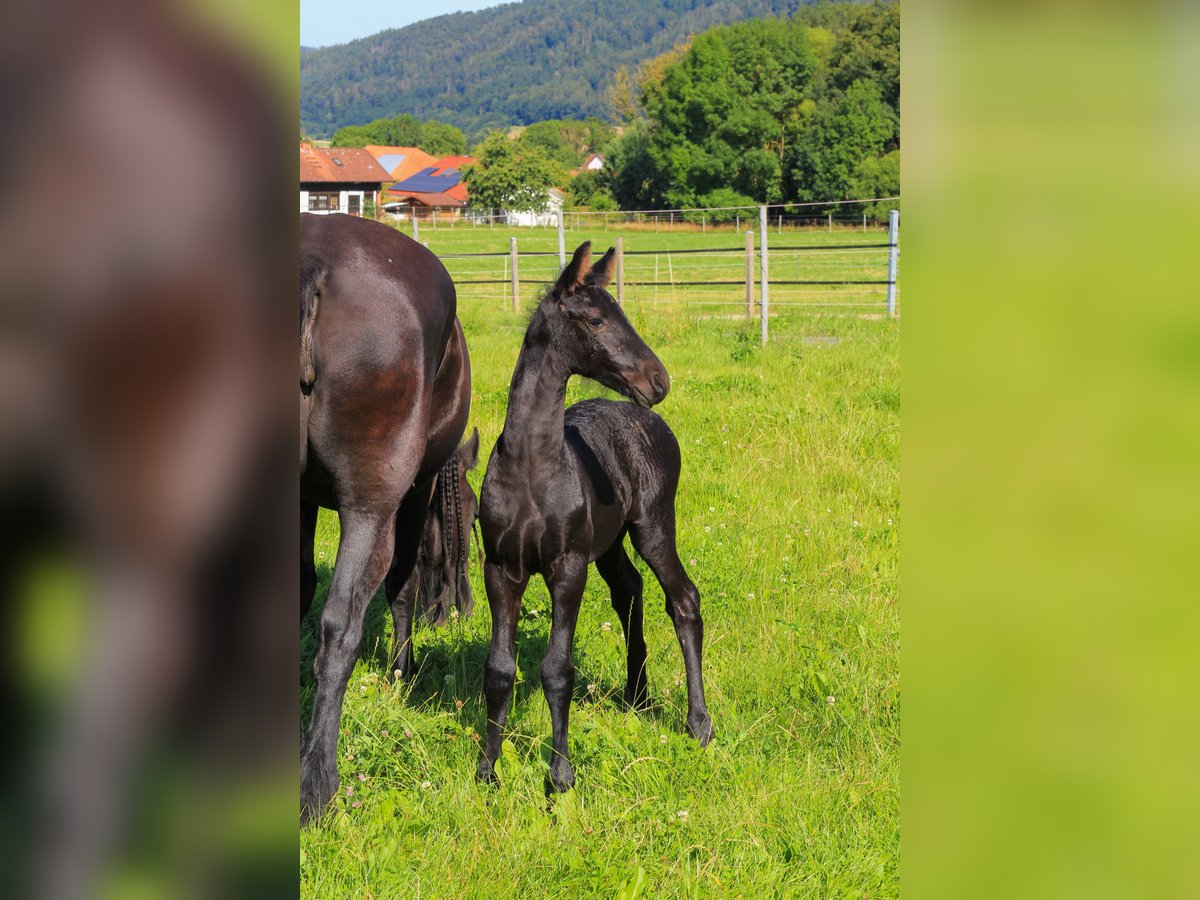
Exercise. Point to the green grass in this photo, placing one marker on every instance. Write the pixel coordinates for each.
(788, 523)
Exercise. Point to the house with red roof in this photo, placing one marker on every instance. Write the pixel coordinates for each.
(339, 179)
(434, 191)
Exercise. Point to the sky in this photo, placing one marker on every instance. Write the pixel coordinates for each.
(325, 22)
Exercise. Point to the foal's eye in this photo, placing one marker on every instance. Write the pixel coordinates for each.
(595, 323)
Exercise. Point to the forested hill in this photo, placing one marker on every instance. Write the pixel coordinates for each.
(509, 65)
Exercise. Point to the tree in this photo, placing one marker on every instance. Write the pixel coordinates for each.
(569, 141)
(589, 189)
(508, 175)
(436, 138)
(723, 114)
(442, 139)
(847, 130)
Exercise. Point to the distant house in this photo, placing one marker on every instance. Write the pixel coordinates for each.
(530, 219)
(434, 190)
(594, 163)
(339, 179)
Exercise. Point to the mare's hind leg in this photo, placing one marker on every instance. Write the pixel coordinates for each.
(625, 588)
(655, 543)
(363, 557)
(504, 595)
(308, 570)
(400, 587)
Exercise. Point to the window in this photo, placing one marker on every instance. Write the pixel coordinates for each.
(355, 204)
(318, 202)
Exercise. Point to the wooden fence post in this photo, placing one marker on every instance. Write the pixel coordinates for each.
(749, 274)
(516, 281)
(621, 271)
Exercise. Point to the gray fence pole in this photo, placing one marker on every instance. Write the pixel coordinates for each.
(416, 228)
(749, 274)
(562, 247)
(764, 281)
(516, 281)
(621, 271)
(893, 258)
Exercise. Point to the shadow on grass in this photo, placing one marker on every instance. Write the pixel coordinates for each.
(449, 673)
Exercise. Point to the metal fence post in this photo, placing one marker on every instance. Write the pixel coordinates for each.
(893, 258)
(516, 281)
(621, 271)
(749, 274)
(764, 282)
(416, 228)
(562, 247)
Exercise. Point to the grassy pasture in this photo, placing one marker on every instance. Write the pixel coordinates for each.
(788, 523)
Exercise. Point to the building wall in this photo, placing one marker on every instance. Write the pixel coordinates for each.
(323, 199)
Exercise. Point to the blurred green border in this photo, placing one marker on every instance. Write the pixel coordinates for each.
(1051, 371)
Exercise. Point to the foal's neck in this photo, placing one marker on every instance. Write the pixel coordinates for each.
(533, 426)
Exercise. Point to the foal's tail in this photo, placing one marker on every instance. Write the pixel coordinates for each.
(312, 279)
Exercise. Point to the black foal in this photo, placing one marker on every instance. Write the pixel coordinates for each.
(562, 489)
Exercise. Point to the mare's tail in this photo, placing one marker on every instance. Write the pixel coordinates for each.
(312, 279)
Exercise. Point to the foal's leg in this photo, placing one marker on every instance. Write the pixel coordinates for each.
(308, 569)
(363, 557)
(656, 544)
(625, 588)
(558, 666)
(504, 595)
(400, 587)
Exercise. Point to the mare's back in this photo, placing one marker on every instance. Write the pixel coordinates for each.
(382, 293)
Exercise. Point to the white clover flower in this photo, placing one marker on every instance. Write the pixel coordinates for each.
(830, 700)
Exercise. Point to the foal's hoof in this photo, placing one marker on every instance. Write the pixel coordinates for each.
(316, 790)
(701, 728)
(637, 697)
(485, 773)
(561, 778)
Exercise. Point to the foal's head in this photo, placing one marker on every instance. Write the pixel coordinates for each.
(590, 333)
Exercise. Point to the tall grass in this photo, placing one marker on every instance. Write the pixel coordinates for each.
(788, 519)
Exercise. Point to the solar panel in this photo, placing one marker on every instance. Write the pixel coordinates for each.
(425, 182)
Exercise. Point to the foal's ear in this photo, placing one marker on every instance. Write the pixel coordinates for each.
(468, 453)
(602, 272)
(575, 272)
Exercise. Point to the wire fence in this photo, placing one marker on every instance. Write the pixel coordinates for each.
(806, 269)
(834, 215)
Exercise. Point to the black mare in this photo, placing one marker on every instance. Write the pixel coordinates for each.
(385, 385)
(564, 487)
